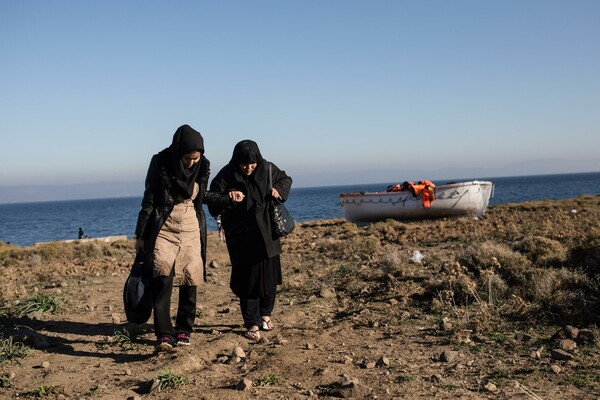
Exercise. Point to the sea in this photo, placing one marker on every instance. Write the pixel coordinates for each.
(24, 224)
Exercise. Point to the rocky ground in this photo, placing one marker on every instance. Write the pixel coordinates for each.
(501, 307)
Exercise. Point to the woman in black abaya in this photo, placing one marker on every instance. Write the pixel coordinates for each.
(253, 251)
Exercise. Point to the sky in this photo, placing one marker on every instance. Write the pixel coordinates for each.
(336, 91)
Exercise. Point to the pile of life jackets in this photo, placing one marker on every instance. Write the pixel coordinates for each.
(424, 188)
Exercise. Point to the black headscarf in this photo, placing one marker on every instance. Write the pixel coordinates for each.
(257, 184)
(185, 140)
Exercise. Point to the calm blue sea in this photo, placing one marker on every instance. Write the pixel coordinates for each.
(26, 223)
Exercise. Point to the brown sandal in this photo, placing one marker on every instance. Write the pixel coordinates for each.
(267, 324)
(252, 333)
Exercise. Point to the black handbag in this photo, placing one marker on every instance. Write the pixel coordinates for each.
(137, 293)
(282, 222)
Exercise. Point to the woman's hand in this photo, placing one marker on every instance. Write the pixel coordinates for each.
(236, 196)
(276, 194)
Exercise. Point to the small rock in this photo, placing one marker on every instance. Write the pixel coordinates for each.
(383, 362)
(369, 364)
(586, 337)
(116, 319)
(567, 345)
(213, 264)
(155, 386)
(445, 325)
(45, 365)
(571, 332)
(347, 360)
(490, 387)
(559, 354)
(393, 302)
(556, 369)
(128, 372)
(222, 359)
(244, 385)
(436, 378)
(235, 360)
(523, 337)
(448, 356)
(239, 352)
(327, 293)
(310, 346)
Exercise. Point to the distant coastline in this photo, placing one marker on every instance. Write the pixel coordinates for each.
(13, 194)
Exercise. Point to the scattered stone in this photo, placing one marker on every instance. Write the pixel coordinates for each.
(436, 378)
(393, 302)
(383, 362)
(369, 364)
(567, 345)
(239, 352)
(235, 360)
(556, 369)
(45, 365)
(445, 325)
(155, 386)
(310, 346)
(222, 359)
(490, 387)
(327, 293)
(571, 332)
(537, 354)
(448, 356)
(523, 337)
(128, 372)
(404, 315)
(350, 388)
(558, 354)
(586, 337)
(116, 319)
(347, 360)
(213, 264)
(373, 324)
(244, 385)
(215, 332)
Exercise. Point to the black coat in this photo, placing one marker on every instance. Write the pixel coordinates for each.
(248, 230)
(159, 199)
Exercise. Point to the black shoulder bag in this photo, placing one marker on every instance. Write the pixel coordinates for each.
(282, 222)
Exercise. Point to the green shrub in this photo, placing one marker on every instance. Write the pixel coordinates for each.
(38, 302)
(10, 351)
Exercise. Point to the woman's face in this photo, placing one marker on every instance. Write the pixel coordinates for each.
(248, 168)
(190, 159)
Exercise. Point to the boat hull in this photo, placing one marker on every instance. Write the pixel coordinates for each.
(451, 200)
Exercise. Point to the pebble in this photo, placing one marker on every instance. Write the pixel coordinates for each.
(383, 362)
(490, 387)
(556, 369)
(567, 345)
(448, 356)
(239, 352)
(558, 354)
(244, 385)
(45, 365)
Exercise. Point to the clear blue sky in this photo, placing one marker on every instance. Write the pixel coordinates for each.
(89, 90)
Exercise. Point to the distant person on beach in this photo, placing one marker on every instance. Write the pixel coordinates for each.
(80, 233)
(171, 232)
(254, 253)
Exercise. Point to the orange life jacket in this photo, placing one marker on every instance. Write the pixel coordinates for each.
(424, 188)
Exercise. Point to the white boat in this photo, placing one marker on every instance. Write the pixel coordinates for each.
(451, 200)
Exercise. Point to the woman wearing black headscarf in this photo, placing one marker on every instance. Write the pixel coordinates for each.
(253, 251)
(171, 232)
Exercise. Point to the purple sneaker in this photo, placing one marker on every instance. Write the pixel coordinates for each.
(164, 344)
(183, 340)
